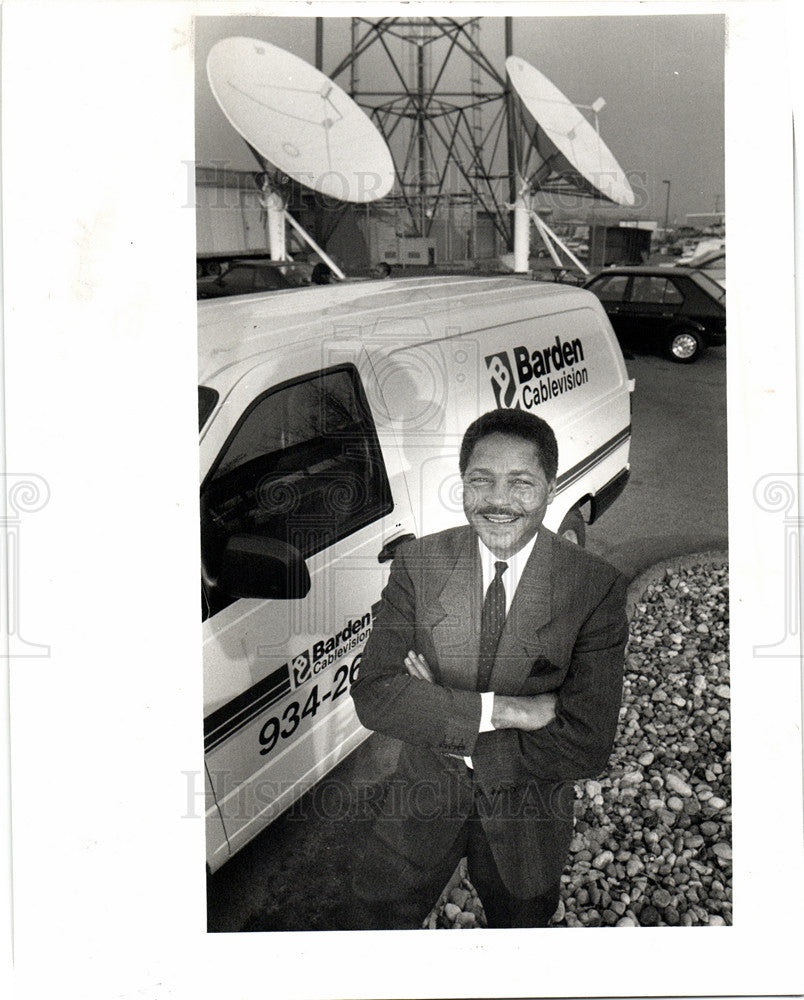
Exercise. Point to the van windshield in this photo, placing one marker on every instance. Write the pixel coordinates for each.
(207, 398)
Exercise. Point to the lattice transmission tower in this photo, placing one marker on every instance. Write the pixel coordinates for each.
(445, 109)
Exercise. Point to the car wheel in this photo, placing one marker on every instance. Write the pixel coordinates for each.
(573, 527)
(685, 345)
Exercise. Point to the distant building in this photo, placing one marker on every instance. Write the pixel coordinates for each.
(623, 244)
(706, 220)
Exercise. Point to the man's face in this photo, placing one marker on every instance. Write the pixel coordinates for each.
(505, 492)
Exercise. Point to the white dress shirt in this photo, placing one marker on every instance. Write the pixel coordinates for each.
(510, 579)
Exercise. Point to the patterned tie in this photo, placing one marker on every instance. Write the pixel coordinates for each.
(492, 619)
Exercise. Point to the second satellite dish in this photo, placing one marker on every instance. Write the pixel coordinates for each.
(299, 120)
(564, 139)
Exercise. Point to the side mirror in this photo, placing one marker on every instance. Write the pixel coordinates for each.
(254, 566)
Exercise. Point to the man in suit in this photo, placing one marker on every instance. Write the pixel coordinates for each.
(496, 657)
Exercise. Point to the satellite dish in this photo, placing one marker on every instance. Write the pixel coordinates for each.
(564, 139)
(299, 120)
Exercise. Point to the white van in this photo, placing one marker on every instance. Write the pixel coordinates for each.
(331, 419)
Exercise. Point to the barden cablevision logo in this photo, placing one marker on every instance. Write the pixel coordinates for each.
(522, 379)
(325, 652)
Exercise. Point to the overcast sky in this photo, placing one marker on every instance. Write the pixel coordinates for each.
(661, 77)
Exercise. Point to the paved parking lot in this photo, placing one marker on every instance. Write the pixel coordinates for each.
(676, 500)
(292, 876)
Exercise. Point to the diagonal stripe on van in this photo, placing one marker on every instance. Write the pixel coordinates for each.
(234, 715)
(595, 458)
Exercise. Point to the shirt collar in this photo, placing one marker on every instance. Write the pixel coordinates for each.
(516, 564)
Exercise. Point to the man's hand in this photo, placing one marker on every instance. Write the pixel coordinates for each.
(417, 666)
(528, 712)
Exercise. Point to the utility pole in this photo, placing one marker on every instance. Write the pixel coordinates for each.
(319, 43)
(510, 109)
(667, 207)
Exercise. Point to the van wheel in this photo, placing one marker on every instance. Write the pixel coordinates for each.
(573, 527)
(685, 345)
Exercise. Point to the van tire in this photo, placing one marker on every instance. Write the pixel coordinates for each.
(573, 527)
(685, 345)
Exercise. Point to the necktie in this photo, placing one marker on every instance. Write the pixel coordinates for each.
(492, 619)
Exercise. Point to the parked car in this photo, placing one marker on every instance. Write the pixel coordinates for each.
(677, 309)
(702, 249)
(713, 264)
(246, 276)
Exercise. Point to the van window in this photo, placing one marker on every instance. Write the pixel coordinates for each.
(303, 465)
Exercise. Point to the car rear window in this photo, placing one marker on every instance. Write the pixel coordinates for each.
(710, 286)
(295, 276)
(269, 279)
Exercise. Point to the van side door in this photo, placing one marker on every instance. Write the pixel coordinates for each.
(300, 470)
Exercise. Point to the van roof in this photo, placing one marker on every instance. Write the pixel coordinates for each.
(234, 329)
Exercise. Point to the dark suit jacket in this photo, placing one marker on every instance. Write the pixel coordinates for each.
(565, 632)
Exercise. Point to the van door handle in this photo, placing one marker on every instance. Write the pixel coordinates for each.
(387, 551)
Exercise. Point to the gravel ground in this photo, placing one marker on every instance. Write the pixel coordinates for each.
(652, 842)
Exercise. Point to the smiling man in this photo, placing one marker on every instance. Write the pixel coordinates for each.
(496, 657)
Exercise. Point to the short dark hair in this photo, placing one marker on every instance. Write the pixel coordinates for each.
(518, 423)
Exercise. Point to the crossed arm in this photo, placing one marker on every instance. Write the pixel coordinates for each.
(407, 700)
(561, 736)
(577, 742)
(528, 712)
(565, 735)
